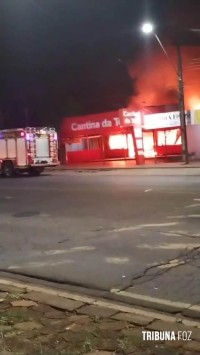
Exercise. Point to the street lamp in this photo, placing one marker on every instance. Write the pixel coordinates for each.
(148, 28)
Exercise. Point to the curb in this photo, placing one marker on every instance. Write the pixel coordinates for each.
(162, 305)
(142, 167)
(178, 170)
(35, 293)
(161, 171)
(125, 298)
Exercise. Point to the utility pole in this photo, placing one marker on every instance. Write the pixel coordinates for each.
(148, 28)
(185, 154)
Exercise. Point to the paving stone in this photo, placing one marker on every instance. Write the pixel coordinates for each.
(48, 330)
(17, 310)
(105, 334)
(162, 351)
(77, 328)
(191, 313)
(58, 325)
(28, 325)
(175, 327)
(12, 334)
(44, 339)
(55, 314)
(174, 344)
(93, 310)
(54, 301)
(128, 332)
(42, 308)
(100, 353)
(113, 325)
(31, 334)
(132, 332)
(4, 305)
(134, 318)
(79, 318)
(70, 336)
(192, 346)
(195, 333)
(107, 344)
(23, 303)
(12, 289)
(5, 328)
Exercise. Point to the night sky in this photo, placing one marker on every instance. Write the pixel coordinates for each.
(69, 57)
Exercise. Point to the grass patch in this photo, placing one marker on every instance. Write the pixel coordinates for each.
(14, 296)
(126, 343)
(87, 346)
(95, 319)
(15, 314)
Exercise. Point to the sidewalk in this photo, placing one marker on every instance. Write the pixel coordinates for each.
(160, 169)
(127, 165)
(37, 320)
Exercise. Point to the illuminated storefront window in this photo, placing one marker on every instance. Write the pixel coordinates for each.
(94, 143)
(76, 144)
(131, 150)
(148, 143)
(122, 141)
(169, 137)
(118, 141)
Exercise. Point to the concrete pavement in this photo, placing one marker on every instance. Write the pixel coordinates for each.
(117, 233)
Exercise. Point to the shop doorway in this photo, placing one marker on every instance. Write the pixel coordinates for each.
(149, 144)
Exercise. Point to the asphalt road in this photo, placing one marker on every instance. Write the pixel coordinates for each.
(105, 231)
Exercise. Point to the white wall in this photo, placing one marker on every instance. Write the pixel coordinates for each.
(193, 137)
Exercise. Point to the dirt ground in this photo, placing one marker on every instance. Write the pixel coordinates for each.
(30, 328)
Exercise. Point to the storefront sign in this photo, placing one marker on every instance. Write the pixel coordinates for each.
(162, 120)
(102, 123)
(130, 117)
(105, 123)
(117, 122)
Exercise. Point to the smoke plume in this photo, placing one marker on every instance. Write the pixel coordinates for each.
(157, 80)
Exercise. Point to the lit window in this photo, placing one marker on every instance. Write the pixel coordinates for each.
(94, 143)
(131, 150)
(77, 144)
(171, 137)
(118, 141)
(148, 142)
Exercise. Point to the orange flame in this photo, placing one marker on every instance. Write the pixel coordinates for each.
(157, 79)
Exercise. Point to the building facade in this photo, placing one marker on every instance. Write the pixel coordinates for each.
(125, 134)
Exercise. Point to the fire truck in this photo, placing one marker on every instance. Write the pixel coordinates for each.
(28, 150)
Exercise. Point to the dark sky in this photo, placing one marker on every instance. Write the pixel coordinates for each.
(68, 57)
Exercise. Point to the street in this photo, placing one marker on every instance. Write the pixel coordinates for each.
(105, 231)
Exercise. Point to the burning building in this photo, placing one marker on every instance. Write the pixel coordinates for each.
(150, 125)
(125, 134)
